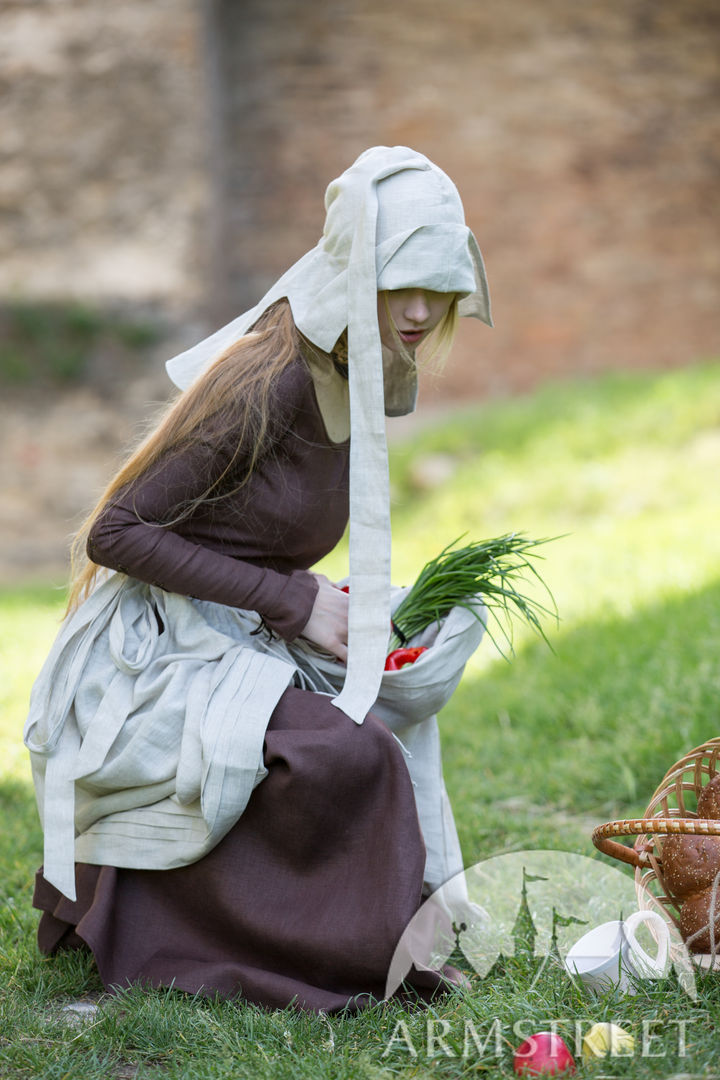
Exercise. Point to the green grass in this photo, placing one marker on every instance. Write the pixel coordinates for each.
(536, 751)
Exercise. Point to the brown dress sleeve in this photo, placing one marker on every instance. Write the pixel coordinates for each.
(140, 533)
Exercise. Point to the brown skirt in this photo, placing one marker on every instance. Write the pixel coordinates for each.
(302, 903)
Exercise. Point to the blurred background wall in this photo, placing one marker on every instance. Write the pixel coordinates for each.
(161, 163)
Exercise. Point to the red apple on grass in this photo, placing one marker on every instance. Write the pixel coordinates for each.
(544, 1053)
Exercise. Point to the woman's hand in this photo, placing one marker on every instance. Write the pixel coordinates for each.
(328, 622)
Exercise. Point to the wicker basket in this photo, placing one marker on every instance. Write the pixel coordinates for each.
(672, 809)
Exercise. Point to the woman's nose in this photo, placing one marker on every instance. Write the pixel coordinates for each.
(416, 309)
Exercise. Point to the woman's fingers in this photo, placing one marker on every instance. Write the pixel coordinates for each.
(328, 622)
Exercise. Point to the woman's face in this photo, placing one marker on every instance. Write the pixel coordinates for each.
(413, 312)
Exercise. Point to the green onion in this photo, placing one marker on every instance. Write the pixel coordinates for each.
(494, 570)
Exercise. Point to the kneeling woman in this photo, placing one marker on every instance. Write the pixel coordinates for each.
(214, 818)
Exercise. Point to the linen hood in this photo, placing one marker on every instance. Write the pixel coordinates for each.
(393, 220)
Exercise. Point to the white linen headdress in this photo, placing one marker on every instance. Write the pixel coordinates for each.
(393, 220)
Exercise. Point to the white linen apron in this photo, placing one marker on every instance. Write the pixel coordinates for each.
(147, 722)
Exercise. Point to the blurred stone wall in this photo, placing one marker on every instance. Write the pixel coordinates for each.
(178, 151)
(584, 138)
(102, 170)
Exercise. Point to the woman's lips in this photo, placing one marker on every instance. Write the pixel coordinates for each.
(411, 337)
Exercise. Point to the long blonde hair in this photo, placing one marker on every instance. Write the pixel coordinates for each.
(434, 352)
(235, 394)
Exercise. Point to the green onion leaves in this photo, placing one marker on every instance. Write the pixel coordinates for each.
(491, 571)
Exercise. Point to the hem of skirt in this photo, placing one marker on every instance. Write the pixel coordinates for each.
(419, 987)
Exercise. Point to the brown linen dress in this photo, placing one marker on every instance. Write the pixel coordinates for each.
(304, 900)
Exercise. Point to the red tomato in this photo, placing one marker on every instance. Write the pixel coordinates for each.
(398, 658)
(544, 1053)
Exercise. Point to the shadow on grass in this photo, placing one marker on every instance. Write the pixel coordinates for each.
(594, 727)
